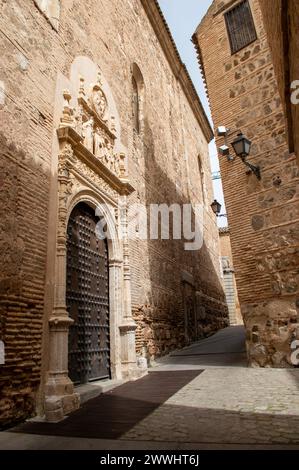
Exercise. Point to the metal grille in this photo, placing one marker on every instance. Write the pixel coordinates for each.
(240, 26)
(87, 298)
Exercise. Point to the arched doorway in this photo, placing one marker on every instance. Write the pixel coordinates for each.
(87, 298)
(100, 332)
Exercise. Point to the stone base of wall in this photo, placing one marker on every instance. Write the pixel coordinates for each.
(158, 333)
(271, 327)
(212, 316)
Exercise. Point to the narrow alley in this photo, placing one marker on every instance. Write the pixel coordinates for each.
(149, 235)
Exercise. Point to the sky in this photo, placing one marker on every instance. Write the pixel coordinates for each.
(183, 17)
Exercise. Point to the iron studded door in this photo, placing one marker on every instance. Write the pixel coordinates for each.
(87, 298)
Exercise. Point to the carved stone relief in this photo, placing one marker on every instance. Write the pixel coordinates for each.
(92, 178)
(91, 120)
(65, 186)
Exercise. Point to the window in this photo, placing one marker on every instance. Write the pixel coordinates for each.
(138, 99)
(136, 110)
(240, 26)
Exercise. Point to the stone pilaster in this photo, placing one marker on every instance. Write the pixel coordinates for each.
(115, 288)
(60, 398)
(128, 326)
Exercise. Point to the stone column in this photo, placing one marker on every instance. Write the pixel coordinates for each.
(115, 300)
(60, 398)
(128, 325)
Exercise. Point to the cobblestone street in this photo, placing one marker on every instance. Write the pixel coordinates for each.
(228, 406)
(191, 399)
(228, 402)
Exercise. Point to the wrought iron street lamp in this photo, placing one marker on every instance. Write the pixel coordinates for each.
(216, 207)
(242, 146)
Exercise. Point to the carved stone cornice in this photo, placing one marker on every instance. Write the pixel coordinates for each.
(179, 69)
(60, 322)
(68, 135)
(128, 327)
(115, 263)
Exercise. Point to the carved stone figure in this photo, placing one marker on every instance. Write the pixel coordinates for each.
(79, 120)
(88, 134)
(99, 144)
(108, 153)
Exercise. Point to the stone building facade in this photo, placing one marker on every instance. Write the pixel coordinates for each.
(237, 65)
(97, 113)
(229, 279)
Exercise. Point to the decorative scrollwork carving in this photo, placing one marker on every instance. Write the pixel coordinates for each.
(92, 178)
(65, 186)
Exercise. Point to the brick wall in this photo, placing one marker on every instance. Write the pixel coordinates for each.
(263, 215)
(163, 167)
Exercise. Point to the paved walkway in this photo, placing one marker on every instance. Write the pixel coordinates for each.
(202, 397)
(224, 349)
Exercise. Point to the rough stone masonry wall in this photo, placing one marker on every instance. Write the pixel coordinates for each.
(113, 34)
(263, 216)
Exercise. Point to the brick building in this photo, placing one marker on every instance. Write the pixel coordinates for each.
(243, 85)
(96, 109)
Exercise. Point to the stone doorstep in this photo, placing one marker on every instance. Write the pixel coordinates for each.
(86, 392)
(94, 389)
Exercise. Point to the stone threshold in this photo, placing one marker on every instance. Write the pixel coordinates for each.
(94, 389)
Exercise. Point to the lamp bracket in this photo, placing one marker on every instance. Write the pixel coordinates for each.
(255, 169)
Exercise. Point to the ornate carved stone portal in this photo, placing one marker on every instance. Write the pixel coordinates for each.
(90, 171)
